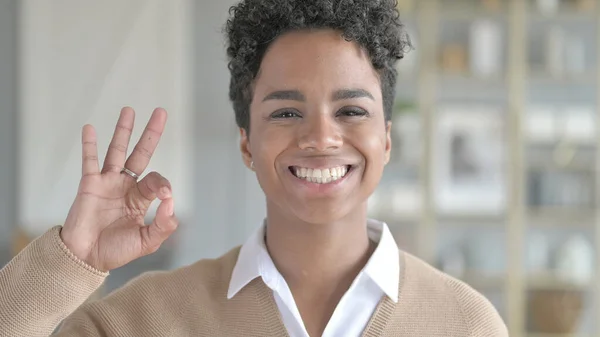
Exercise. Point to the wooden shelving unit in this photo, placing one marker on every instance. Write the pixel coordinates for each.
(429, 86)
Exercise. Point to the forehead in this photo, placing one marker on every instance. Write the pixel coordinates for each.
(319, 60)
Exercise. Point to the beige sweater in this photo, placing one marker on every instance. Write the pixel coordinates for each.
(45, 283)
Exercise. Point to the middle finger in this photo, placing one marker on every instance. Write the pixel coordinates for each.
(144, 149)
(117, 150)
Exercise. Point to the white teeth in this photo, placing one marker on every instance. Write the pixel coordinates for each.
(320, 176)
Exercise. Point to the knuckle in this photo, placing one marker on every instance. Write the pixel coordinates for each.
(153, 248)
(143, 151)
(124, 128)
(155, 132)
(118, 147)
(90, 157)
(112, 168)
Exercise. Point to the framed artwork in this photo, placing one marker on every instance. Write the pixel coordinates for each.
(469, 160)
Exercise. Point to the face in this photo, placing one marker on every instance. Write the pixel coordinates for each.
(318, 137)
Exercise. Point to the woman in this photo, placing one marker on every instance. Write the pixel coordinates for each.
(312, 86)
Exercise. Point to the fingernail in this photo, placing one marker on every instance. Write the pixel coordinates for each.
(170, 209)
(165, 192)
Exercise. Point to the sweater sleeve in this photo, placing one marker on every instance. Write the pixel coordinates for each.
(482, 317)
(42, 285)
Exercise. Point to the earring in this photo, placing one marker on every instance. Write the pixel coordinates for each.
(252, 165)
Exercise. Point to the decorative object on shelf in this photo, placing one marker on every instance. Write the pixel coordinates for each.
(405, 6)
(405, 200)
(396, 200)
(575, 55)
(468, 160)
(564, 153)
(555, 51)
(556, 311)
(406, 132)
(491, 5)
(575, 261)
(454, 59)
(565, 53)
(548, 7)
(586, 5)
(579, 123)
(485, 48)
(560, 189)
(541, 125)
(538, 254)
(453, 262)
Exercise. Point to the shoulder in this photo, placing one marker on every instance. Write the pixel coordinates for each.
(479, 315)
(206, 275)
(167, 294)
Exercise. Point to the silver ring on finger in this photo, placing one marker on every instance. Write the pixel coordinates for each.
(130, 173)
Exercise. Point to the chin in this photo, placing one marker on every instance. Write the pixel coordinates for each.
(324, 214)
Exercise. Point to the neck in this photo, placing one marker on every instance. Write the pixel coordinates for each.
(318, 256)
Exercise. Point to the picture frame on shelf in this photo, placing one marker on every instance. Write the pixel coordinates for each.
(468, 163)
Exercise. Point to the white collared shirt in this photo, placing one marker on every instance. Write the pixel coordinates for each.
(378, 278)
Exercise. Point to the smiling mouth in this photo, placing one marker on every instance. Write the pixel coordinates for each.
(320, 176)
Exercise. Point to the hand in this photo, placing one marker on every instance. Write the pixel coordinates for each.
(105, 226)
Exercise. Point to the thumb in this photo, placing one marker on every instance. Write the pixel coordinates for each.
(163, 225)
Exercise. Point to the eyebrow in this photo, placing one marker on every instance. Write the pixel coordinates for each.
(351, 93)
(285, 95)
(338, 95)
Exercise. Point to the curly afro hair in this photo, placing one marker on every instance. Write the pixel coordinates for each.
(254, 24)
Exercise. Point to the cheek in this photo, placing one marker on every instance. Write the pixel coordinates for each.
(372, 144)
(266, 147)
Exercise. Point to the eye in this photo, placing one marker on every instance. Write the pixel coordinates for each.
(352, 112)
(285, 114)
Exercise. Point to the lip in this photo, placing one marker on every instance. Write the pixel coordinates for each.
(321, 162)
(320, 189)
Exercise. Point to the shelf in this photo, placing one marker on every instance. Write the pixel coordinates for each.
(537, 171)
(471, 217)
(562, 217)
(483, 280)
(547, 281)
(458, 78)
(563, 15)
(539, 334)
(391, 218)
(469, 13)
(539, 77)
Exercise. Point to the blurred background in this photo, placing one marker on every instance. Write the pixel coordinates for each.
(494, 177)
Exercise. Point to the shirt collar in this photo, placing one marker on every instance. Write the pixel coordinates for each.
(383, 266)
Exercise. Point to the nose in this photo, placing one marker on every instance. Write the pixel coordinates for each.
(320, 133)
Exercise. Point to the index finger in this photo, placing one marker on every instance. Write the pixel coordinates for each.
(144, 149)
(89, 151)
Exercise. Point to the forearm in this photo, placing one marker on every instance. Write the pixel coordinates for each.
(43, 285)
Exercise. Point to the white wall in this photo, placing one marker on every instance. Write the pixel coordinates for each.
(83, 61)
(230, 202)
(8, 117)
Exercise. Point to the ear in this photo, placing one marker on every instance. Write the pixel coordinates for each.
(388, 142)
(245, 148)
